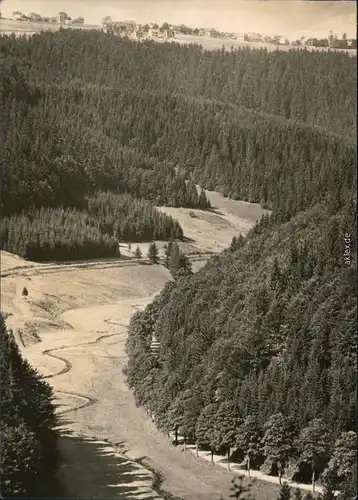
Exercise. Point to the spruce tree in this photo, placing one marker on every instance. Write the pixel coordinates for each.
(153, 253)
(178, 263)
(276, 279)
(203, 202)
(29, 449)
(192, 195)
(184, 266)
(236, 243)
(233, 244)
(167, 253)
(138, 253)
(174, 258)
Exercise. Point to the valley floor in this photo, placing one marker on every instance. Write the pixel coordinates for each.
(74, 325)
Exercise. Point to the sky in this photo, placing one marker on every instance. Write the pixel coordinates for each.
(284, 17)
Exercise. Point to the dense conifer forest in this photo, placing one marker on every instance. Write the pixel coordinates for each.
(257, 349)
(28, 458)
(63, 234)
(123, 115)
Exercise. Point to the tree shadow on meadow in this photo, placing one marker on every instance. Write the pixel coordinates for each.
(91, 468)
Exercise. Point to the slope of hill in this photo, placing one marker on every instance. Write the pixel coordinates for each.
(266, 329)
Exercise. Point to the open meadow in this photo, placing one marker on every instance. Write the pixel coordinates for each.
(8, 26)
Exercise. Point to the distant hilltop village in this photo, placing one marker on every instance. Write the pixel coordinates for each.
(170, 31)
(60, 18)
(138, 31)
(153, 30)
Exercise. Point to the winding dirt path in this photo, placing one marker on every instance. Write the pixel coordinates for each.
(68, 365)
(87, 401)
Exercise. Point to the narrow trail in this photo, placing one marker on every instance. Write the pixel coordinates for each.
(68, 364)
(46, 269)
(87, 401)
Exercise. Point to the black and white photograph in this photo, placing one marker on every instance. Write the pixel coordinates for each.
(178, 257)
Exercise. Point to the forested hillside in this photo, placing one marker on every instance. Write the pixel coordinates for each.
(258, 126)
(28, 457)
(257, 349)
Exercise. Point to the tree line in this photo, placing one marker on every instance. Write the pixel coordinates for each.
(29, 456)
(73, 234)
